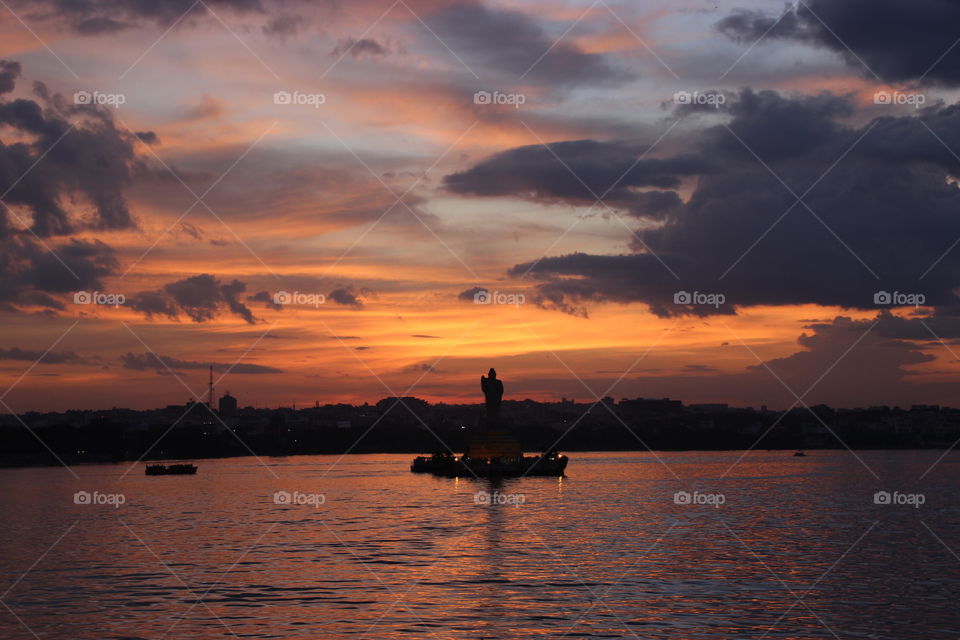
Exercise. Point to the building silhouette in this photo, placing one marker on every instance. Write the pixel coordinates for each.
(228, 405)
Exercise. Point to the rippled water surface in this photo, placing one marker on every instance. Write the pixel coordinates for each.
(797, 549)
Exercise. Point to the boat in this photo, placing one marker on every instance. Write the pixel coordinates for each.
(450, 466)
(171, 470)
(799, 454)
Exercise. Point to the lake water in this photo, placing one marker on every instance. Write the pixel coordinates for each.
(771, 547)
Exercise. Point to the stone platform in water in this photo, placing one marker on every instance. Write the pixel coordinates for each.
(452, 467)
(494, 452)
(494, 443)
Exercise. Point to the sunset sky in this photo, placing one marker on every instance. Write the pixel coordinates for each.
(197, 160)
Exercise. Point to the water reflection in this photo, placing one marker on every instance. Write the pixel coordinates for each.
(606, 552)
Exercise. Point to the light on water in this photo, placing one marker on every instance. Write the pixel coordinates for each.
(798, 548)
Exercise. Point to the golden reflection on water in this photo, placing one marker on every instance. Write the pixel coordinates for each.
(605, 552)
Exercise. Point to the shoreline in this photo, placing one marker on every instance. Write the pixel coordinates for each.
(47, 463)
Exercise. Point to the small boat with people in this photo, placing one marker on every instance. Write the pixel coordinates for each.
(171, 469)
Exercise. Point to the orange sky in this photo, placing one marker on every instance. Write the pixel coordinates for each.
(306, 199)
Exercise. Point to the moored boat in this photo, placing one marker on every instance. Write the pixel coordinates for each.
(171, 470)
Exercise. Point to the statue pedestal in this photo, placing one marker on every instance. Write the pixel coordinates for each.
(496, 443)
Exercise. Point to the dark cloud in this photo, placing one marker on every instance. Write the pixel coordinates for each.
(420, 335)
(579, 277)
(899, 41)
(284, 26)
(32, 274)
(85, 157)
(148, 361)
(28, 266)
(87, 164)
(654, 204)
(229, 293)
(50, 357)
(579, 172)
(469, 294)
(512, 43)
(9, 72)
(266, 298)
(423, 367)
(874, 370)
(943, 325)
(359, 48)
(98, 26)
(778, 128)
(881, 209)
(89, 261)
(878, 359)
(711, 102)
(345, 296)
(202, 298)
(147, 137)
(190, 230)
(101, 17)
(153, 304)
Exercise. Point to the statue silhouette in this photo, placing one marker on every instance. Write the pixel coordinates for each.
(493, 393)
(493, 451)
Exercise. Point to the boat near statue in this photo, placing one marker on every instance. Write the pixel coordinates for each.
(494, 452)
(450, 466)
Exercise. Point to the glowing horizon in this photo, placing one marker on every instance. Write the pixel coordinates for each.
(396, 163)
